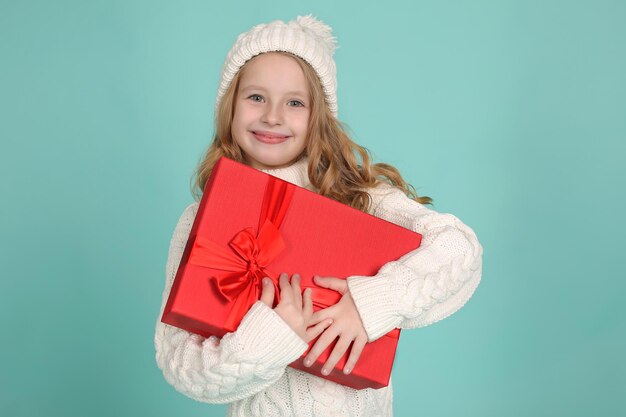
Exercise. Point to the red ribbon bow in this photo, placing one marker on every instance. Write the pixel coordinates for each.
(247, 260)
(249, 255)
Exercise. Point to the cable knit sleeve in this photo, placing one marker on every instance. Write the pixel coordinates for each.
(216, 370)
(425, 285)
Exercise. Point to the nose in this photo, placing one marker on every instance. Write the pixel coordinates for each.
(273, 114)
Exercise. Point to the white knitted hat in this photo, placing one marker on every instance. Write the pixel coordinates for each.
(306, 37)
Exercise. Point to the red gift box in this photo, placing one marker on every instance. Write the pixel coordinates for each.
(250, 225)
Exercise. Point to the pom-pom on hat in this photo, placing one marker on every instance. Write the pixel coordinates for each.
(306, 37)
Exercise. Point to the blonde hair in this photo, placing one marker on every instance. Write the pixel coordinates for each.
(337, 167)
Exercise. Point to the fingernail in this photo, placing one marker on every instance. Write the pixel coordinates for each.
(325, 371)
(307, 362)
(266, 281)
(346, 370)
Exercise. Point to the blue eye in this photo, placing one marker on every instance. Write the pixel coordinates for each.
(256, 97)
(296, 103)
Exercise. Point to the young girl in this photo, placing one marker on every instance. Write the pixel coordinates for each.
(276, 110)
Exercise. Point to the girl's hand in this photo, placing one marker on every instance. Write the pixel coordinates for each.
(295, 308)
(346, 325)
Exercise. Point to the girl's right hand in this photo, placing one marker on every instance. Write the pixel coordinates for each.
(295, 307)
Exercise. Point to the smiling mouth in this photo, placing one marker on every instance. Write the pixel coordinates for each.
(271, 138)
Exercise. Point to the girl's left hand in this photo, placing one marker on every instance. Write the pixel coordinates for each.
(346, 325)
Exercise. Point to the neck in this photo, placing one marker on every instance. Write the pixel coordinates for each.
(296, 173)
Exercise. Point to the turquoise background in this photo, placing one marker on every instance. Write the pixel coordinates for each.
(510, 114)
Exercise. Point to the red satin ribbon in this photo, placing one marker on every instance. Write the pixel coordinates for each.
(249, 255)
(324, 297)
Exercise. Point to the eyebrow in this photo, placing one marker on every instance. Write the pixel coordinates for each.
(288, 93)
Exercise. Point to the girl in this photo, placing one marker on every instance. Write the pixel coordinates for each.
(276, 111)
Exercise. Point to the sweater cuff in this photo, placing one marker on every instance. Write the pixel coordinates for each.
(266, 333)
(376, 304)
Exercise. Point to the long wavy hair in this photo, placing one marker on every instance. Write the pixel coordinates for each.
(338, 168)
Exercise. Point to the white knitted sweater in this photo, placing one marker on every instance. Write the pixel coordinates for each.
(248, 368)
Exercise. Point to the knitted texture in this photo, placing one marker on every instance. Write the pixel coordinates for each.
(306, 37)
(248, 368)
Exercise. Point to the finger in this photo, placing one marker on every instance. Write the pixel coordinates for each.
(338, 351)
(336, 284)
(285, 288)
(267, 294)
(297, 292)
(314, 331)
(321, 315)
(320, 346)
(307, 304)
(355, 353)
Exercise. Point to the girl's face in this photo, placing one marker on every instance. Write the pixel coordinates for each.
(272, 109)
